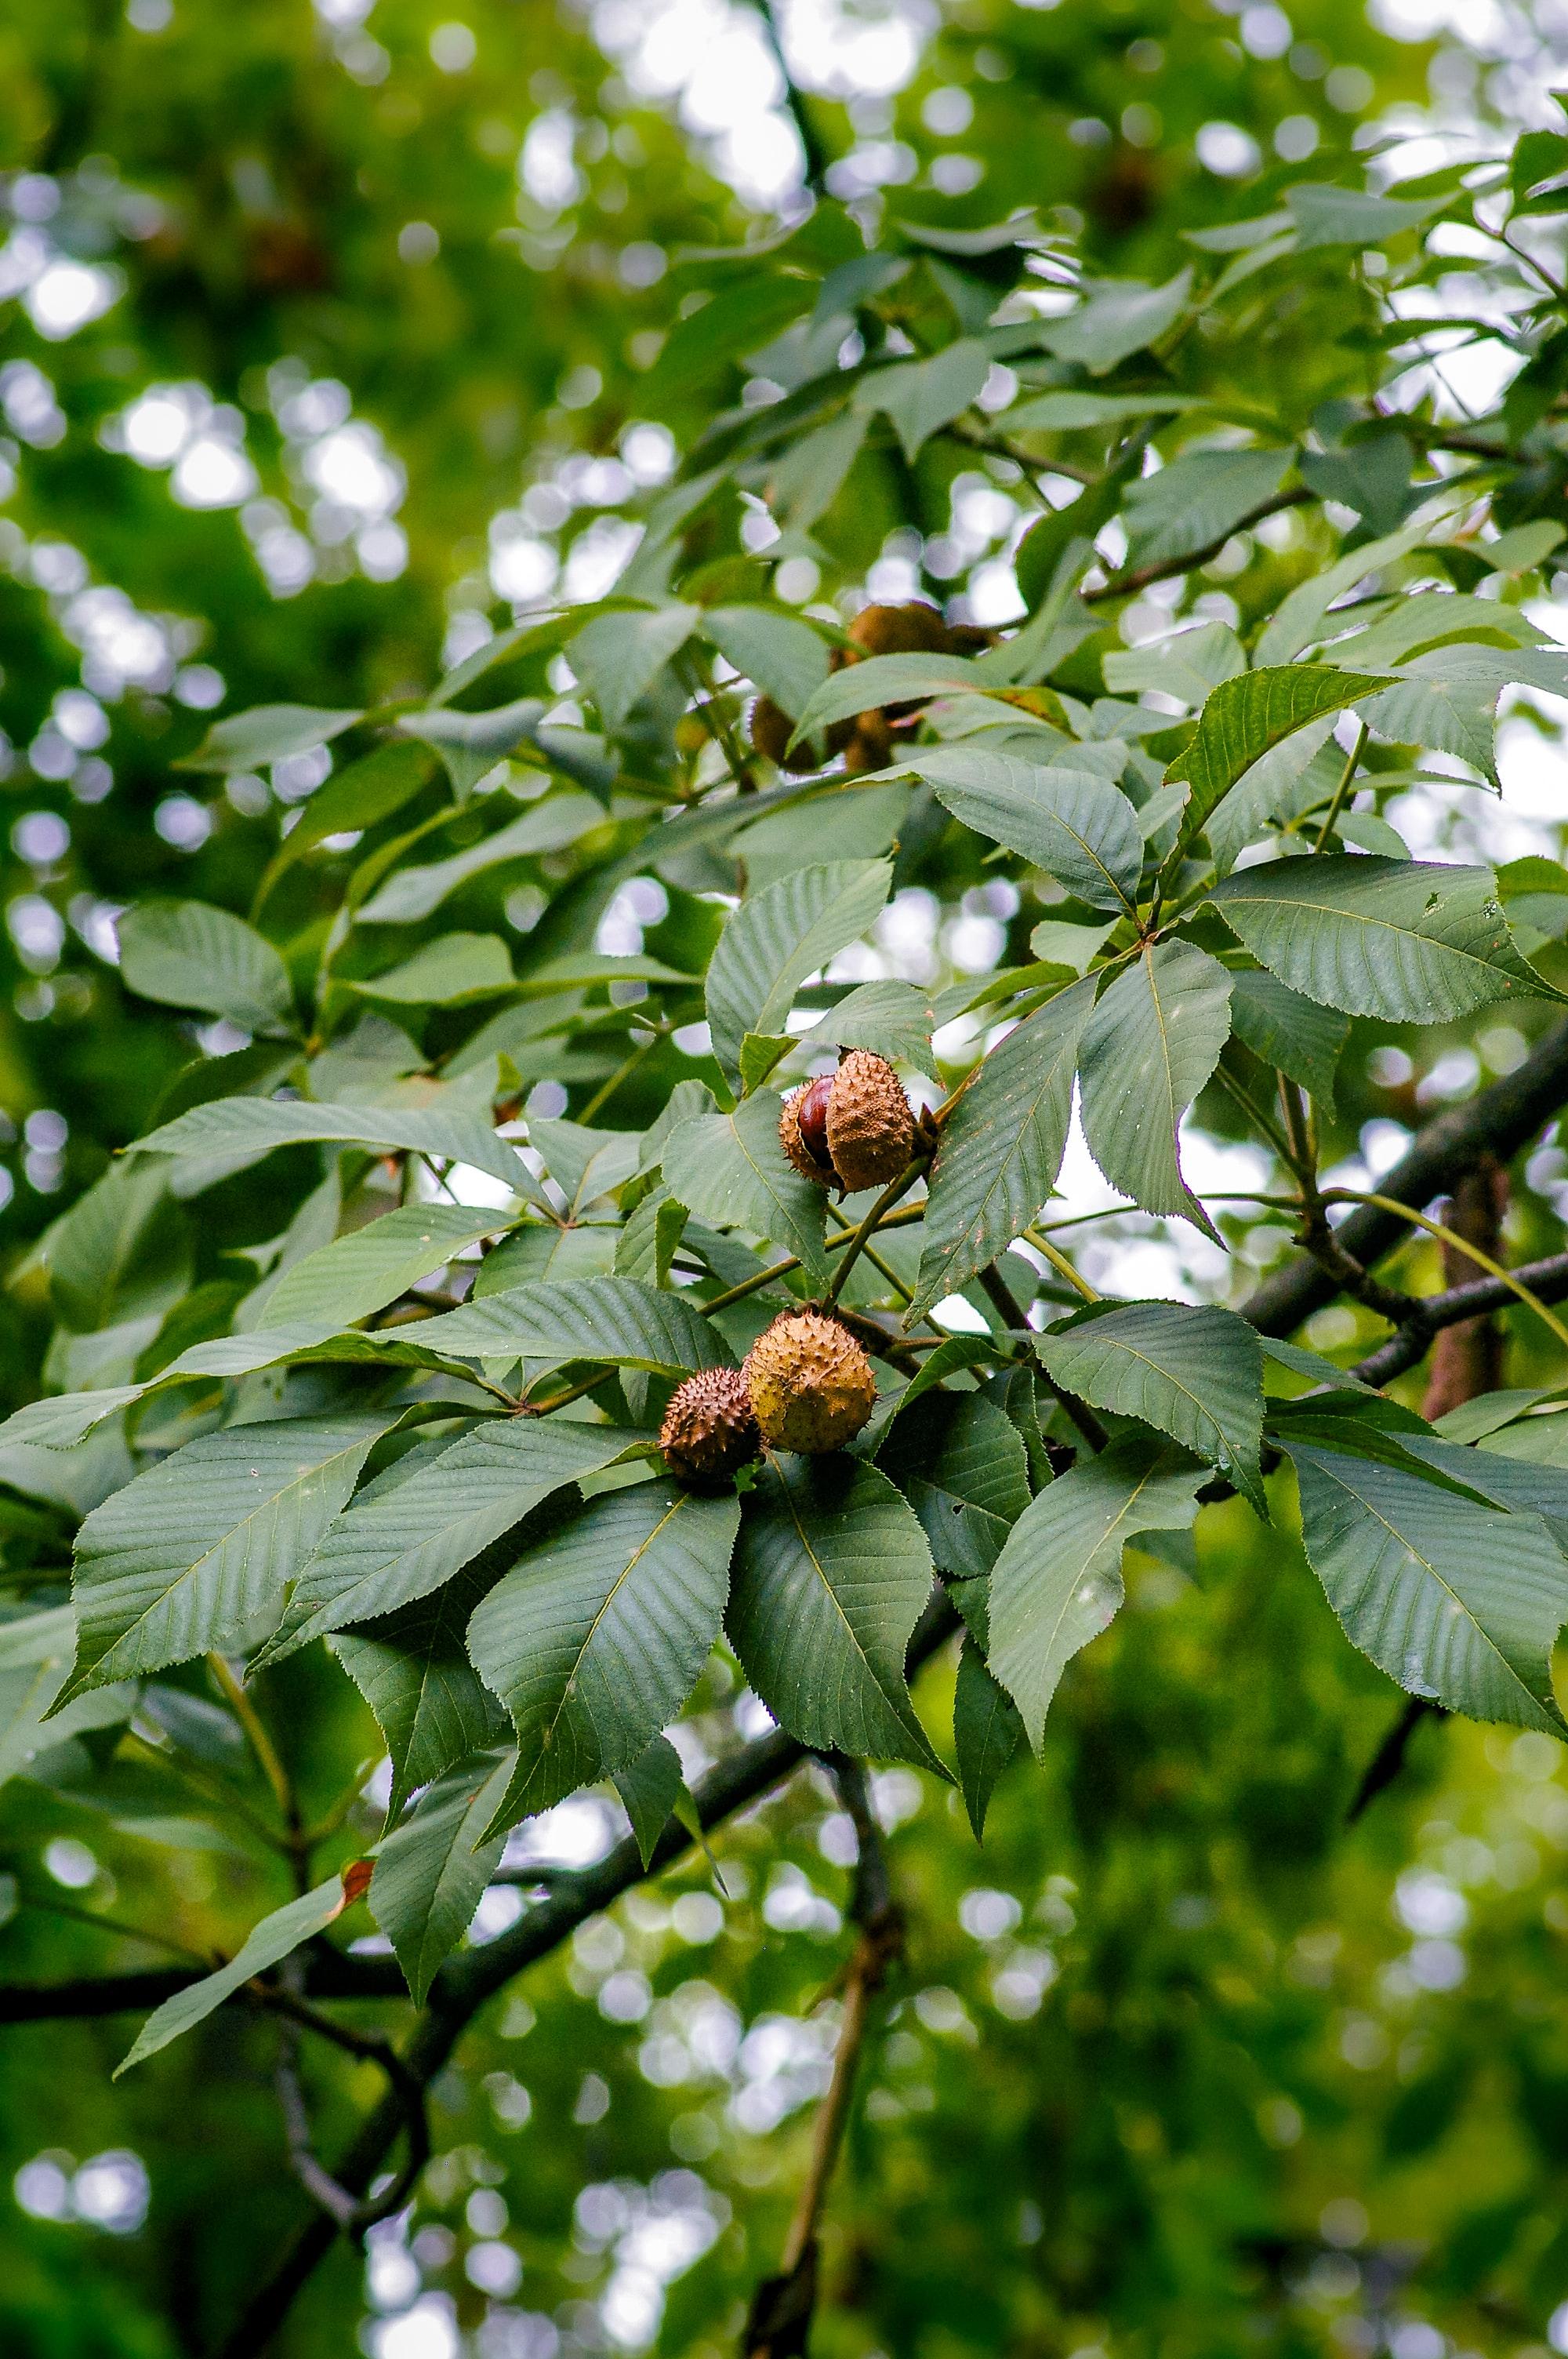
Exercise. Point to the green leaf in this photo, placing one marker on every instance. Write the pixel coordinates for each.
(370, 1267)
(368, 790)
(1413, 942)
(613, 1319)
(787, 660)
(986, 1730)
(1303, 615)
(647, 1246)
(189, 954)
(896, 1019)
(595, 1638)
(920, 396)
(195, 1555)
(650, 1787)
(1303, 1040)
(1245, 717)
(255, 1126)
(267, 1944)
(470, 743)
(1325, 215)
(961, 1466)
(1458, 1602)
(1057, 1582)
(1002, 1146)
(831, 1575)
(1188, 666)
(585, 1164)
(410, 894)
(1077, 826)
(705, 345)
(730, 1168)
(618, 656)
(446, 972)
(122, 1251)
(887, 679)
(1069, 413)
(430, 1873)
(1447, 701)
(403, 1539)
(807, 476)
(268, 733)
(35, 1657)
(1120, 317)
(1149, 1046)
(1298, 774)
(759, 1052)
(771, 942)
(1198, 500)
(1196, 1374)
(412, 1669)
(1056, 942)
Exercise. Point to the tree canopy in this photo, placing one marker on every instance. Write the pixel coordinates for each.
(564, 575)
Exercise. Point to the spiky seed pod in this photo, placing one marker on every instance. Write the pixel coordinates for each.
(870, 1129)
(851, 1129)
(803, 1130)
(811, 1384)
(710, 1430)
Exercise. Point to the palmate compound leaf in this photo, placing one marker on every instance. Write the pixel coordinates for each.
(431, 1871)
(961, 1466)
(196, 1554)
(986, 1730)
(190, 954)
(831, 1575)
(1001, 1145)
(412, 1669)
(1195, 1373)
(730, 1168)
(372, 1267)
(595, 1638)
(1414, 941)
(1148, 1048)
(267, 1944)
(771, 942)
(405, 1537)
(1457, 1602)
(255, 1126)
(1057, 1582)
(615, 1320)
(1064, 817)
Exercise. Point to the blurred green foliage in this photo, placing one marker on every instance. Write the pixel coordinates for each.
(1179, 2064)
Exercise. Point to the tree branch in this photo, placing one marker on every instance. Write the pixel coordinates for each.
(330, 1974)
(1409, 1343)
(783, 2306)
(465, 1983)
(1499, 1120)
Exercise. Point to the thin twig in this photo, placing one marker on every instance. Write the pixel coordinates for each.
(1083, 1417)
(873, 1219)
(782, 2306)
(1336, 800)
